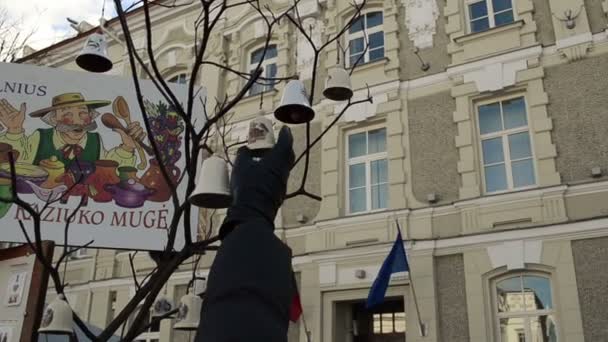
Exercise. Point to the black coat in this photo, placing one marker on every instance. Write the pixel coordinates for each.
(250, 286)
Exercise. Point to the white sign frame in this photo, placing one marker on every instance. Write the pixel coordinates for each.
(108, 225)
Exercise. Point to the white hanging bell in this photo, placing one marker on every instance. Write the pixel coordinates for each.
(94, 54)
(189, 314)
(57, 318)
(337, 86)
(294, 108)
(199, 286)
(162, 306)
(213, 187)
(261, 134)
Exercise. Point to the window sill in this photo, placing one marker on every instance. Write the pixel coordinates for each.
(510, 191)
(370, 65)
(491, 31)
(367, 212)
(251, 97)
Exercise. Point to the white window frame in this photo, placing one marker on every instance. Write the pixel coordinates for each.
(525, 315)
(491, 13)
(367, 159)
(504, 134)
(79, 254)
(267, 61)
(177, 77)
(364, 33)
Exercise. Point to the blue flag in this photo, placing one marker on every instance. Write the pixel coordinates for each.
(396, 261)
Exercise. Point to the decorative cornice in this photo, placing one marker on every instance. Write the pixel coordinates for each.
(495, 73)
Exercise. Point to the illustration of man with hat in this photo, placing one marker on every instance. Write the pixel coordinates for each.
(71, 135)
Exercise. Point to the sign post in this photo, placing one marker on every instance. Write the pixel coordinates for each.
(23, 285)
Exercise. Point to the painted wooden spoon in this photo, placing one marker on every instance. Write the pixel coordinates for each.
(121, 109)
(112, 122)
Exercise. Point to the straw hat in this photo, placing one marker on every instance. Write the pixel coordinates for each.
(69, 100)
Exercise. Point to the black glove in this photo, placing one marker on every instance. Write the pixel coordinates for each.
(259, 183)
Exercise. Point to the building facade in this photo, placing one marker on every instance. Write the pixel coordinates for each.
(485, 141)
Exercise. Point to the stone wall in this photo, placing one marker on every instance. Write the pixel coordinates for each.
(433, 150)
(591, 263)
(577, 105)
(451, 299)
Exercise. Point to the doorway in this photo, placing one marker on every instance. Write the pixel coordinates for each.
(384, 323)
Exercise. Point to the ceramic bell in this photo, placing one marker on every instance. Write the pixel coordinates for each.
(189, 313)
(261, 134)
(294, 108)
(57, 318)
(199, 286)
(94, 54)
(161, 306)
(337, 86)
(213, 187)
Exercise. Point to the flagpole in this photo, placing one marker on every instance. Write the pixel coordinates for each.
(421, 326)
(306, 331)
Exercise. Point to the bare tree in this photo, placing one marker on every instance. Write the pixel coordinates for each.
(13, 36)
(210, 138)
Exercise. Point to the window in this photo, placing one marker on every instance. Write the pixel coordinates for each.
(524, 309)
(366, 29)
(485, 14)
(367, 171)
(270, 68)
(179, 79)
(79, 253)
(388, 323)
(506, 148)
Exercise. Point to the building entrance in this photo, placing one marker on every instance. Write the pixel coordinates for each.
(385, 323)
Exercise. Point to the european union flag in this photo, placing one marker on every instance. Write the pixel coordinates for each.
(396, 261)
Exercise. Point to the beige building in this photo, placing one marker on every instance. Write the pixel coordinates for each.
(493, 159)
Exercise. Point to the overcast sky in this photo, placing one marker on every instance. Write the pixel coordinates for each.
(48, 17)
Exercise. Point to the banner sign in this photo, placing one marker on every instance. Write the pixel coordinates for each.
(80, 138)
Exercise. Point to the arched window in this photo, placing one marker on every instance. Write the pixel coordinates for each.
(366, 29)
(524, 309)
(269, 64)
(179, 79)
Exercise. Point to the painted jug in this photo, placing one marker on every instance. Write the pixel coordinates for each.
(55, 168)
(153, 179)
(105, 174)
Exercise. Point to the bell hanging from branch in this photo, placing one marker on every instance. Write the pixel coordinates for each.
(337, 86)
(57, 318)
(213, 187)
(94, 54)
(162, 306)
(294, 108)
(189, 313)
(199, 286)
